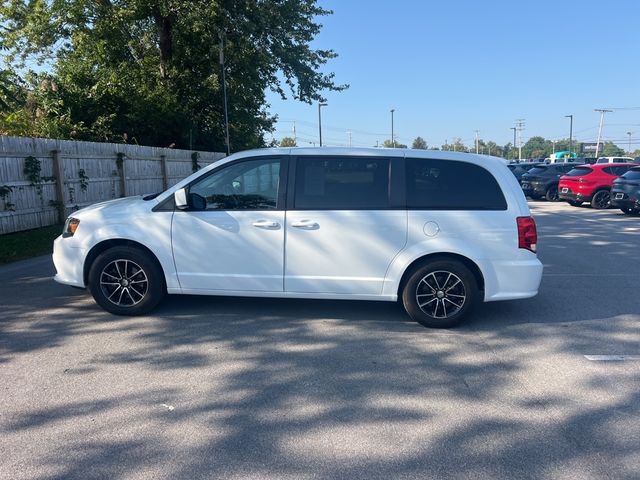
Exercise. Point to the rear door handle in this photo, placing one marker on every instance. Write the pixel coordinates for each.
(308, 224)
(268, 224)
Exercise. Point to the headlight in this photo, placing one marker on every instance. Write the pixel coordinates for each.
(70, 227)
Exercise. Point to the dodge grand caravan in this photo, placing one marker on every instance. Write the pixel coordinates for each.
(438, 230)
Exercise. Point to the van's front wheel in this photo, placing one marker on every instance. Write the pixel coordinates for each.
(126, 281)
(439, 294)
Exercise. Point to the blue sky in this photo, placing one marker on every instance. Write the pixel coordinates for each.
(449, 68)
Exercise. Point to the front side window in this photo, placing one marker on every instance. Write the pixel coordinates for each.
(341, 183)
(247, 185)
(451, 185)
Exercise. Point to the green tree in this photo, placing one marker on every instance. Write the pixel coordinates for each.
(288, 142)
(537, 147)
(395, 144)
(419, 144)
(135, 70)
(610, 149)
(456, 146)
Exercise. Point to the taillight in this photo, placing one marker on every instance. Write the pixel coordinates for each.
(527, 233)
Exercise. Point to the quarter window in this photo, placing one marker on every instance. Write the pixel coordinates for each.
(248, 185)
(341, 183)
(451, 185)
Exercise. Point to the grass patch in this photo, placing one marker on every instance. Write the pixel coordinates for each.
(31, 243)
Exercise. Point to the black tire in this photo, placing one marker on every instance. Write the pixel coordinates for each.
(114, 274)
(552, 194)
(630, 211)
(437, 281)
(574, 203)
(601, 200)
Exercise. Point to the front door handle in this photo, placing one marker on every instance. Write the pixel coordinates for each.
(308, 224)
(268, 224)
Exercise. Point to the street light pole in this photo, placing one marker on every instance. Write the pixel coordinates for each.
(393, 142)
(514, 136)
(477, 131)
(602, 112)
(570, 117)
(629, 133)
(320, 105)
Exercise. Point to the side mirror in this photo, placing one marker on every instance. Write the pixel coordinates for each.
(180, 198)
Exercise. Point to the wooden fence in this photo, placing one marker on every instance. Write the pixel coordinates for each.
(43, 180)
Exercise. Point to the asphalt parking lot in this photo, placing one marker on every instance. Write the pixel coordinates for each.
(291, 389)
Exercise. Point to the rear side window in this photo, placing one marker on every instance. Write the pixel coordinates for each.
(579, 172)
(538, 170)
(610, 170)
(451, 185)
(633, 174)
(341, 183)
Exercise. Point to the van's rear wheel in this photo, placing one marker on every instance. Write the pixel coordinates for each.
(439, 294)
(126, 281)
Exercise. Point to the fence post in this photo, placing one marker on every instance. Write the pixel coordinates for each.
(165, 178)
(58, 172)
(121, 174)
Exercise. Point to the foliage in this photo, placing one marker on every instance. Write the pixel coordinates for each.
(288, 142)
(456, 146)
(31, 243)
(33, 170)
(84, 180)
(395, 144)
(5, 195)
(419, 144)
(610, 149)
(150, 71)
(195, 166)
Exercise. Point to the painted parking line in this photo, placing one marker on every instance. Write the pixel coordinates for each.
(611, 358)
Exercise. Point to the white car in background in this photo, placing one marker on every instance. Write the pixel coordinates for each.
(615, 160)
(438, 230)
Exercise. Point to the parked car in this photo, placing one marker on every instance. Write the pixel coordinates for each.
(591, 183)
(517, 169)
(542, 180)
(439, 230)
(625, 193)
(615, 160)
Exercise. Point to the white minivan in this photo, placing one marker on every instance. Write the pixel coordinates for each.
(438, 230)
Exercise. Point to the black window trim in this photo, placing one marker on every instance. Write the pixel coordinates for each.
(169, 205)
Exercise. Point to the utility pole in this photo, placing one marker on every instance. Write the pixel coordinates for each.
(602, 112)
(629, 133)
(477, 131)
(224, 93)
(570, 117)
(554, 145)
(520, 128)
(349, 133)
(320, 105)
(295, 138)
(514, 136)
(393, 142)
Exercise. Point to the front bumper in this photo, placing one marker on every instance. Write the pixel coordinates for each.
(68, 260)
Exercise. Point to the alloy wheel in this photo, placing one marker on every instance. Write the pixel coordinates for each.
(440, 294)
(602, 199)
(124, 283)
